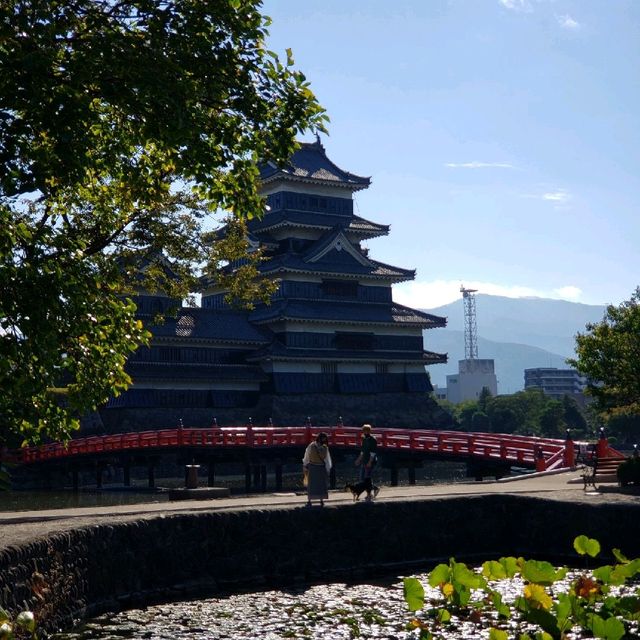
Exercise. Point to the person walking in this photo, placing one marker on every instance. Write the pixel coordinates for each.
(367, 459)
(316, 465)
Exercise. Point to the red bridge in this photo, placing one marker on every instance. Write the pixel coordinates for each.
(525, 451)
(485, 451)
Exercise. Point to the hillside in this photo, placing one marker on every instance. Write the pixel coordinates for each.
(518, 333)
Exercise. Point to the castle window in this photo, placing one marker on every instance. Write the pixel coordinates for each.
(330, 368)
(356, 341)
(340, 288)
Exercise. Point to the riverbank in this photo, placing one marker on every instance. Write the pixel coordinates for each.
(67, 564)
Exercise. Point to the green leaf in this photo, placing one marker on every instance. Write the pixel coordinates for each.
(413, 593)
(609, 629)
(541, 572)
(563, 608)
(619, 556)
(586, 546)
(614, 629)
(603, 573)
(462, 575)
(498, 634)
(494, 570)
(439, 574)
(444, 616)
(511, 565)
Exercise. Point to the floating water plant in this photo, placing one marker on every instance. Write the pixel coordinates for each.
(546, 607)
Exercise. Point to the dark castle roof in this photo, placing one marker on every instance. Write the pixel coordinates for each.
(219, 325)
(345, 312)
(278, 351)
(290, 262)
(310, 164)
(314, 220)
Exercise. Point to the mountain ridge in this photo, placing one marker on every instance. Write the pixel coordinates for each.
(517, 333)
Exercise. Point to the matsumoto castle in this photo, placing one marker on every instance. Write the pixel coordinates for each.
(331, 345)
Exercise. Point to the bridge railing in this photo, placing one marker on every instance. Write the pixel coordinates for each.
(541, 453)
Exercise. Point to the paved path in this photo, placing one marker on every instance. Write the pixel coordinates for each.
(17, 527)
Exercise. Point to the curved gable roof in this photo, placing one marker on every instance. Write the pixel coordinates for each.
(310, 164)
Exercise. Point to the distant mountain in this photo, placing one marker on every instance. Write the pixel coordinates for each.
(518, 333)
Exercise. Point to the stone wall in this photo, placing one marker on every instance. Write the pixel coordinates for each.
(110, 566)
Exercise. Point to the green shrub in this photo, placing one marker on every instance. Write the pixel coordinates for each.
(629, 471)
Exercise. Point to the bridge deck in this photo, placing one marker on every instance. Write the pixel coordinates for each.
(526, 451)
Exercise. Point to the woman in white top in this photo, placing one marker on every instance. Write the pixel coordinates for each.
(316, 465)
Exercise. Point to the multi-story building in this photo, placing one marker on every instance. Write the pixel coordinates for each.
(474, 375)
(331, 344)
(555, 383)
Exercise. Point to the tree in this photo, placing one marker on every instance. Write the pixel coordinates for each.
(552, 424)
(484, 398)
(573, 416)
(123, 126)
(608, 354)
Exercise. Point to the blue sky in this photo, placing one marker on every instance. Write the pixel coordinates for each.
(502, 137)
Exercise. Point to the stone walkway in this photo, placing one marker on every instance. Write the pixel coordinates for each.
(18, 527)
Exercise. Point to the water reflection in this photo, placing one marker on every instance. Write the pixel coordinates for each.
(40, 500)
(113, 493)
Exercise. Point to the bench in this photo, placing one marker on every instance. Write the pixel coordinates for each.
(603, 470)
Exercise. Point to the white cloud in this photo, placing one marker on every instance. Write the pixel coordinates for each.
(428, 295)
(516, 5)
(567, 22)
(569, 292)
(560, 196)
(478, 165)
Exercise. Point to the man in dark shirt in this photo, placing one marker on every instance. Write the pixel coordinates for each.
(367, 458)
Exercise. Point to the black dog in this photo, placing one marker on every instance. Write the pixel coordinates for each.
(358, 488)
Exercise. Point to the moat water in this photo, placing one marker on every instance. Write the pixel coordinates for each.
(114, 493)
(334, 611)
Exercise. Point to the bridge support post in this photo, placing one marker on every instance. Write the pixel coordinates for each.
(98, 476)
(126, 474)
(411, 471)
(152, 475)
(278, 473)
(332, 477)
(247, 477)
(74, 479)
(263, 478)
(256, 477)
(394, 474)
(211, 473)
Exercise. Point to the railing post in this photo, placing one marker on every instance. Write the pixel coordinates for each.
(180, 433)
(307, 430)
(569, 454)
(541, 464)
(250, 432)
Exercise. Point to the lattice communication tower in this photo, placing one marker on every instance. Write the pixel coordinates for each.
(470, 326)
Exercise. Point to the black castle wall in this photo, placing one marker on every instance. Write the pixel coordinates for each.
(400, 410)
(110, 566)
